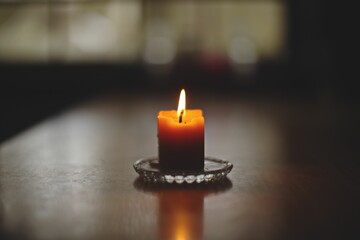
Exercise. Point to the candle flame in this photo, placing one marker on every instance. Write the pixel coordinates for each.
(182, 104)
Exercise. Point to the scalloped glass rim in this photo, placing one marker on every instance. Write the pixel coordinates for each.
(214, 170)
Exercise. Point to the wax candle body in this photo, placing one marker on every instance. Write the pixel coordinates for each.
(181, 145)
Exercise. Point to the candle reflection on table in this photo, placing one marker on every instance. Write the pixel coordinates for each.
(181, 207)
(181, 214)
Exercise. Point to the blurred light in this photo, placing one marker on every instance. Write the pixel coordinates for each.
(93, 33)
(159, 50)
(159, 43)
(113, 31)
(243, 55)
(243, 51)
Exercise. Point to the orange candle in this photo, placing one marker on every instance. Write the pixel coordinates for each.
(181, 138)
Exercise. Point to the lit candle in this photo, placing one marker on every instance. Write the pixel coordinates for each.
(181, 138)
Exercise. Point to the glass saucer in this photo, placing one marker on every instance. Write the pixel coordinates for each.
(214, 170)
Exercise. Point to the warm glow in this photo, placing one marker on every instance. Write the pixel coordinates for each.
(182, 104)
(181, 224)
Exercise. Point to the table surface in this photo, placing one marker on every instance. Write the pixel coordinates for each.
(295, 176)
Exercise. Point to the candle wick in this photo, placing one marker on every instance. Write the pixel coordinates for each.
(181, 116)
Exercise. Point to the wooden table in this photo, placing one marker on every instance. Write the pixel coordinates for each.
(295, 175)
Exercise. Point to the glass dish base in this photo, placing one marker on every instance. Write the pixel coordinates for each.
(215, 170)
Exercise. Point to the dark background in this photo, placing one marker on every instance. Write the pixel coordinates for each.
(317, 68)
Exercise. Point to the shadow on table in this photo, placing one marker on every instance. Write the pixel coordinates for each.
(181, 207)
